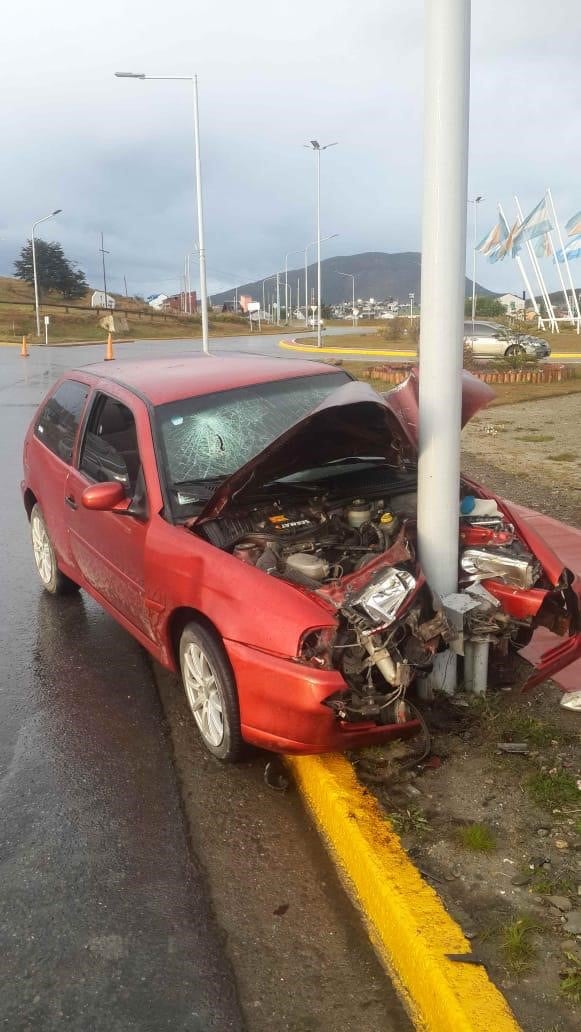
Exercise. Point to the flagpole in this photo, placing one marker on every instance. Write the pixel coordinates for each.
(566, 260)
(528, 288)
(539, 275)
(562, 282)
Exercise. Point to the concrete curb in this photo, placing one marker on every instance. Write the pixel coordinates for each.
(407, 922)
(291, 345)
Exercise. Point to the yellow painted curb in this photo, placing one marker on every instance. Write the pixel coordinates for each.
(407, 921)
(378, 352)
(566, 354)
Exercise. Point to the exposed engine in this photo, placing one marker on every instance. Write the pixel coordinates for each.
(360, 557)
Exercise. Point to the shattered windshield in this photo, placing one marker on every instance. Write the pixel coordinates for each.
(208, 438)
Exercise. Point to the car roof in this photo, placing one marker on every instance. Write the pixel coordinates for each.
(161, 380)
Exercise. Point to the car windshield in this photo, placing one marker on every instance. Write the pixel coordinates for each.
(208, 438)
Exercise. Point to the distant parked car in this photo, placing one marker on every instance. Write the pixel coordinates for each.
(313, 322)
(490, 340)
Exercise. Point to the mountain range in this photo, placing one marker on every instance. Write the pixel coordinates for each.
(377, 274)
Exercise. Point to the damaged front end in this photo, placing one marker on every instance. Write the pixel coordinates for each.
(389, 628)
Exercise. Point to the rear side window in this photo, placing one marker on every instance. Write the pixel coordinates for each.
(59, 420)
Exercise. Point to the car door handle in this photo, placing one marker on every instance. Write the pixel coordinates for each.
(70, 500)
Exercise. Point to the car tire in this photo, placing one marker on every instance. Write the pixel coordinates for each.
(514, 349)
(211, 692)
(51, 578)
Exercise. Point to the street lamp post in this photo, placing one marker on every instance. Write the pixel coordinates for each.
(411, 297)
(57, 211)
(103, 253)
(286, 258)
(475, 201)
(312, 244)
(199, 200)
(352, 278)
(316, 146)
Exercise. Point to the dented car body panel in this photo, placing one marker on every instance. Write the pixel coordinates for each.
(314, 590)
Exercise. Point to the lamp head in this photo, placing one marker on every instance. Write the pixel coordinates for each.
(130, 75)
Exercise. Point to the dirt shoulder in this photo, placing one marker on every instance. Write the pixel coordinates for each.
(529, 453)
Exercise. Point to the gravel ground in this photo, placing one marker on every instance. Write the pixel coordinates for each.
(529, 453)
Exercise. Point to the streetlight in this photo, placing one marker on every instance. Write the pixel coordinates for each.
(286, 258)
(411, 297)
(199, 204)
(263, 282)
(103, 253)
(312, 244)
(475, 201)
(352, 278)
(316, 146)
(57, 211)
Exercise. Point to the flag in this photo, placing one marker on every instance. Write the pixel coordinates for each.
(492, 239)
(507, 239)
(536, 224)
(543, 247)
(572, 250)
(573, 226)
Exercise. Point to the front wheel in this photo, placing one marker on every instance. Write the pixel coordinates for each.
(211, 692)
(51, 578)
(514, 349)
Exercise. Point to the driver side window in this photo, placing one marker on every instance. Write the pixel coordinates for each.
(110, 450)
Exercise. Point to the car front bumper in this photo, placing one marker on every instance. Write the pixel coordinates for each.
(282, 706)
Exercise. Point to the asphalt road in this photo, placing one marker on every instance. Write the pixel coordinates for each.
(143, 886)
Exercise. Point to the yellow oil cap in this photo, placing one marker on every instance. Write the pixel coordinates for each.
(386, 517)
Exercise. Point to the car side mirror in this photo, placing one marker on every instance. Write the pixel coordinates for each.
(105, 497)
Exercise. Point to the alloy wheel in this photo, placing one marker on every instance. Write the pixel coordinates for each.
(203, 694)
(43, 556)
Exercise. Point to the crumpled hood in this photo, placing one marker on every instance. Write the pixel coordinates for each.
(353, 420)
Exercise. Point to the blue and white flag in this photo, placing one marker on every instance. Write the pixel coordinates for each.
(543, 247)
(536, 224)
(573, 226)
(493, 238)
(505, 246)
(572, 250)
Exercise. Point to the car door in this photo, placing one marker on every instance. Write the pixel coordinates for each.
(48, 455)
(108, 548)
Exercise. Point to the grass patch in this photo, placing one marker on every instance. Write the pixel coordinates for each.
(515, 942)
(570, 980)
(520, 727)
(408, 820)
(533, 438)
(553, 790)
(545, 884)
(477, 838)
(565, 456)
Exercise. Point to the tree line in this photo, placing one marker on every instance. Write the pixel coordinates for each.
(54, 271)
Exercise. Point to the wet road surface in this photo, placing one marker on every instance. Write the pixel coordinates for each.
(144, 886)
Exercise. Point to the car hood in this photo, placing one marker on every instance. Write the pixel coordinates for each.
(353, 420)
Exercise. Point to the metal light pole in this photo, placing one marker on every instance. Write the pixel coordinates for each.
(446, 107)
(57, 211)
(475, 201)
(411, 297)
(199, 200)
(352, 278)
(286, 258)
(316, 146)
(312, 244)
(103, 253)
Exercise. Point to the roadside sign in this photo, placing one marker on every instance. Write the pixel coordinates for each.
(46, 320)
(253, 306)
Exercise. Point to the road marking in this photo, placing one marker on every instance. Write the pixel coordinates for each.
(344, 351)
(407, 922)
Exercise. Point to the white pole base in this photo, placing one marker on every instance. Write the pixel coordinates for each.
(442, 678)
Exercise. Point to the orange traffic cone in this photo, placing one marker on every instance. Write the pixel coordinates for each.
(109, 356)
(24, 352)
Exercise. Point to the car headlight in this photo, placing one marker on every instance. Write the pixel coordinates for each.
(522, 571)
(382, 599)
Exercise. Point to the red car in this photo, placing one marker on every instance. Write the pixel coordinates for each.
(251, 522)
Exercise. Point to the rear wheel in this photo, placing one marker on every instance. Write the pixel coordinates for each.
(514, 349)
(211, 691)
(51, 578)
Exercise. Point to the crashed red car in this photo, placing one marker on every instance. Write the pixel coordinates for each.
(251, 521)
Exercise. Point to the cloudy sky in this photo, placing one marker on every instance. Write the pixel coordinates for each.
(117, 155)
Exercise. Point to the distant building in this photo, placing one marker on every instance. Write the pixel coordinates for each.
(244, 300)
(157, 300)
(512, 303)
(98, 300)
(179, 303)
